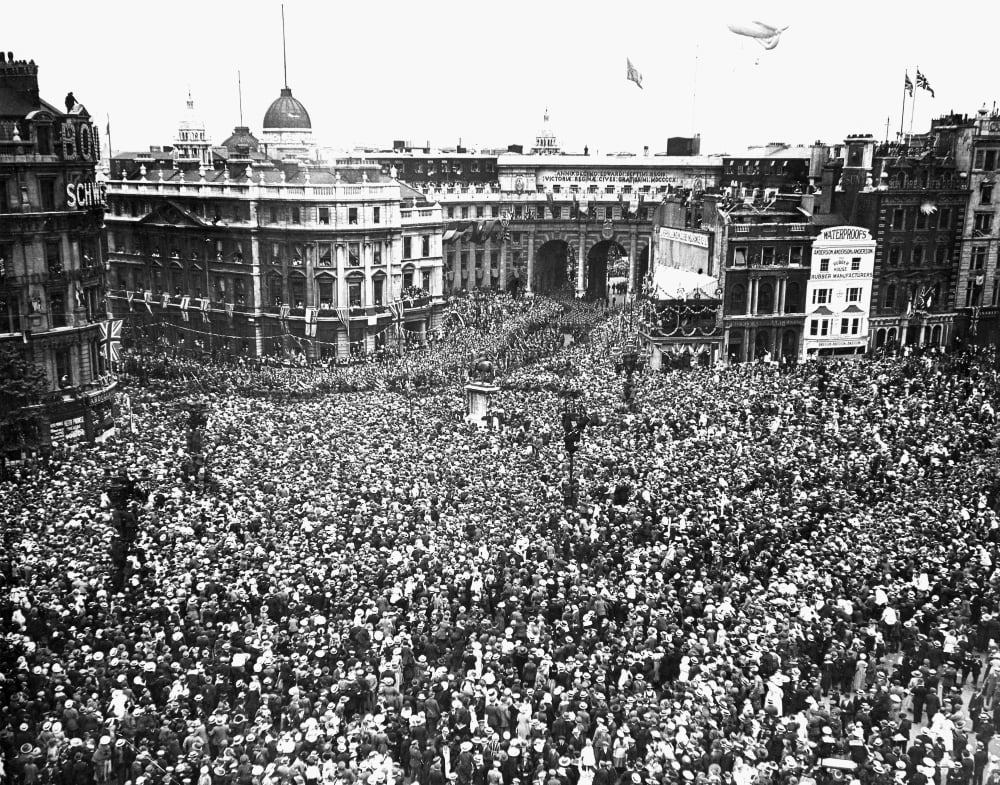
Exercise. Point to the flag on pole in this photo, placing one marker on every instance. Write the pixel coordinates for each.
(311, 315)
(130, 296)
(922, 82)
(148, 299)
(185, 303)
(111, 339)
(343, 315)
(632, 74)
(908, 85)
(204, 309)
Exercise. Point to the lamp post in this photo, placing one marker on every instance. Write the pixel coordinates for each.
(629, 360)
(574, 422)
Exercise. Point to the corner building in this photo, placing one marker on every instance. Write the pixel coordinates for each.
(52, 296)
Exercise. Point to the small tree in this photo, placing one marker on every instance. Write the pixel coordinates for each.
(22, 383)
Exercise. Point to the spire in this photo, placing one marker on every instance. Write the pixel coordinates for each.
(190, 101)
(284, 48)
(545, 118)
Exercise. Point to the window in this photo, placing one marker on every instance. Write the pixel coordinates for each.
(4, 197)
(326, 294)
(10, 314)
(324, 215)
(897, 218)
(821, 296)
(738, 298)
(921, 219)
(824, 327)
(494, 211)
(451, 212)
(377, 253)
(889, 297)
(854, 294)
(425, 245)
(795, 254)
(917, 255)
(986, 193)
(944, 218)
(465, 212)
(272, 214)
(354, 287)
(47, 193)
(855, 264)
(814, 326)
(354, 254)
(57, 309)
(845, 325)
(824, 265)
(895, 254)
(64, 367)
(740, 256)
(352, 215)
(425, 280)
(479, 211)
(325, 254)
(296, 215)
(767, 256)
(978, 259)
(53, 257)
(378, 286)
(376, 215)
(941, 254)
(986, 159)
(407, 247)
(408, 277)
(855, 326)
(44, 134)
(982, 224)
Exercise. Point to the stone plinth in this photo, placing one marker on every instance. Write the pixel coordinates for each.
(477, 401)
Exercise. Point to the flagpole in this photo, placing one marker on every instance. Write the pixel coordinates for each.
(902, 114)
(913, 106)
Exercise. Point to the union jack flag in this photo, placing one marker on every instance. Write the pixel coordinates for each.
(111, 339)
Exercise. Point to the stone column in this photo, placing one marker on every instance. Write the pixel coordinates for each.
(256, 293)
(632, 242)
(580, 261)
(781, 295)
(779, 288)
(745, 347)
(531, 259)
(503, 265)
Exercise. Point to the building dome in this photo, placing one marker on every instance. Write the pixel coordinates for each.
(287, 112)
(241, 137)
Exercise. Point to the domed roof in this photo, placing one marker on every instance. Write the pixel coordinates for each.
(241, 137)
(286, 112)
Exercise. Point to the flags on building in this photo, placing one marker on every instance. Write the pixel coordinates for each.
(284, 311)
(111, 339)
(148, 299)
(311, 320)
(130, 296)
(632, 74)
(185, 304)
(343, 315)
(166, 300)
(204, 309)
(922, 82)
(229, 310)
(908, 85)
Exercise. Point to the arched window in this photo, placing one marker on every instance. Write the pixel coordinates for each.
(738, 298)
(765, 298)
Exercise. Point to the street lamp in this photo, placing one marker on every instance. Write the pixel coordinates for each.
(629, 361)
(574, 422)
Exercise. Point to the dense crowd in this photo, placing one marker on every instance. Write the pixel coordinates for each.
(766, 578)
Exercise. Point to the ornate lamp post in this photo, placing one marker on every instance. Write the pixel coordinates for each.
(629, 361)
(574, 422)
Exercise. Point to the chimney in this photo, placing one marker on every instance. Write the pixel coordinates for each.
(645, 151)
(21, 76)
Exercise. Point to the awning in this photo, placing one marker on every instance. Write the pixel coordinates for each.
(672, 283)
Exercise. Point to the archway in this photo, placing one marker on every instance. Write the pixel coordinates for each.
(605, 253)
(880, 338)
(550, 267)
(790, 346)
(762, 345)
(641, 267)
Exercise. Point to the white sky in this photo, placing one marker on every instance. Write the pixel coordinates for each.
(371, 72)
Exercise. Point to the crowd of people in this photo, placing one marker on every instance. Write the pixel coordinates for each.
(764, 578)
